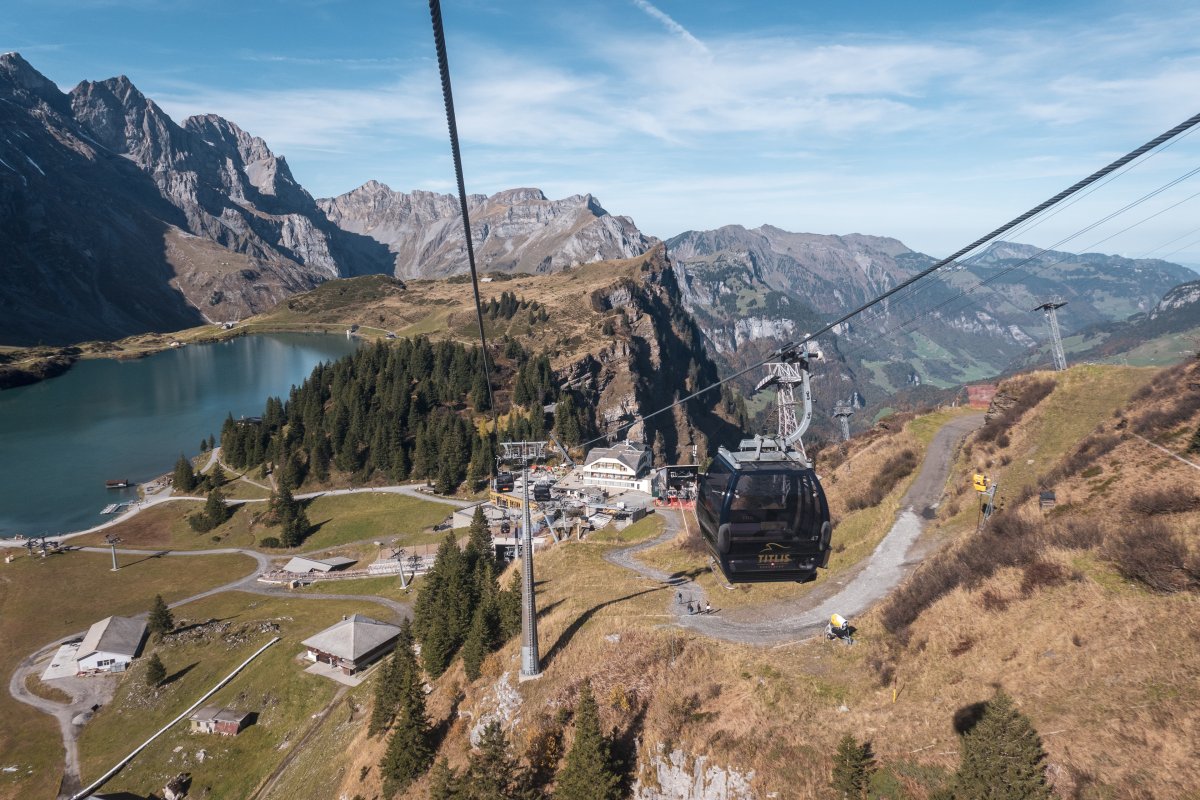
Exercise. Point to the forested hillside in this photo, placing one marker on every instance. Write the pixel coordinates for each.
(408, 409)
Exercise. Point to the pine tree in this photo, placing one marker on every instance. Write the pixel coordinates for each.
(852, 768)
(185, 476)
(216, 477)
(409, 752)
(479, 541)
(443, 782)
(588, 773)
(215, 510)
(492, 773)
(510, 608)
(393, 677)
(483, 637)
(155, 671)
(1194, 444)
(160, 620)
(1002, 757)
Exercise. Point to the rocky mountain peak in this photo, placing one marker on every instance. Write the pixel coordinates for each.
(19, 77)
(124, 120)
(511, 197)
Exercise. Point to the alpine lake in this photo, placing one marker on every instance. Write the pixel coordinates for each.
(62, 439)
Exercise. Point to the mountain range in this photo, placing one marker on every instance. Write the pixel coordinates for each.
(115, 220)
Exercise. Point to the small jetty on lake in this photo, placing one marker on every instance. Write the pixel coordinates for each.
(115, 508)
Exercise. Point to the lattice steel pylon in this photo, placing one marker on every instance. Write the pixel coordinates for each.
(523, 453)
(842, 411)
(1051, 309)
(785, 376)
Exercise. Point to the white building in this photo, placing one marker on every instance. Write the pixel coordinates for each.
(625, 465)
(110, 645)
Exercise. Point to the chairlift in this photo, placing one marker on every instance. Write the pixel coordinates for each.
(762, 511)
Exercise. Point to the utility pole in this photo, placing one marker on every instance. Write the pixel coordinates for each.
(113, 540)
(842, 411)
(1051, 309)
(523, 453)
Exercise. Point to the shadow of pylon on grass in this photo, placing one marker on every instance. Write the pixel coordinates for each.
(565, 637)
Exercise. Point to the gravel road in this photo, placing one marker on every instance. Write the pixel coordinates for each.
(786, 621)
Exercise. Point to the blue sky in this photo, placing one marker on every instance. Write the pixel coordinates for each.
(931, 122)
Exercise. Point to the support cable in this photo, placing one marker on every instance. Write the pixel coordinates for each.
(439, 41)
(1157, 141)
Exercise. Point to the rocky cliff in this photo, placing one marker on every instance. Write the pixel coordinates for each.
(117, 220)
(751, 290)
(517, 230)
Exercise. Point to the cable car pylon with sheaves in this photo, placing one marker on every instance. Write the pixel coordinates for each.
(762, 511)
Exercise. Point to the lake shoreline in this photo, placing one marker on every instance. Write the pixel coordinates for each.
(29, 365)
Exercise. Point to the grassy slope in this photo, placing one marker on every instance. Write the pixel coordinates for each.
(35, 609)
(1103, 667)
(339, 520)
(275, 686)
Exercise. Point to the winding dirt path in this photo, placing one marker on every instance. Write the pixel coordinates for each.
(786, 621)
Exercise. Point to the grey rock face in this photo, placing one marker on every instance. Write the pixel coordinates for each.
(517, 230)
(117, 220)
(676, 776)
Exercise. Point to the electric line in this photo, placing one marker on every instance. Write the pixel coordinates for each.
(439, 41)
(1166, 136)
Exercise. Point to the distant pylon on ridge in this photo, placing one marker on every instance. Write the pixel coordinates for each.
(1051, 308)
(843, 409)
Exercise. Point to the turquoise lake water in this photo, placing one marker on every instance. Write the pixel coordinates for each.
(61, 439)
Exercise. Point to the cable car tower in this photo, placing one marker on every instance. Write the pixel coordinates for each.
(524, 453)
(785, 376)
(1051, 309)
(842, 411)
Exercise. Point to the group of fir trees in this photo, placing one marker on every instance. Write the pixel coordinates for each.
(460, 607)
(508, 305)
(401, 411)
(288, 513)
(400, 712)
(1001, 758)
(494, 773)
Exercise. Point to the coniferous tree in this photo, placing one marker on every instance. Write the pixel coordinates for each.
(392, 679)
(185, 476)
(1002, 757)
(479, 541)
(160, 621)
(483, 637)
(588, 773)
(215, 509)
(156, 672)
(409, 752)
(492, 773)
(510, 608)
(443, 782)
(1194, 444)
(442, 614)
(852, 768)
(216, 477)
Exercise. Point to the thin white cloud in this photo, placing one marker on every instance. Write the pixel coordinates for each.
(670, 24)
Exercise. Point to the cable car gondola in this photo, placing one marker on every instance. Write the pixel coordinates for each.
(541, 492)
(762, 510)
(504, 482)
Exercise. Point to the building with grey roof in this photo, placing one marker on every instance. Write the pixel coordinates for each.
(110, 645)
(352, 644)
(303, 566)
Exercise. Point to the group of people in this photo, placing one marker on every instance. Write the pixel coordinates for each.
(694, 607)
